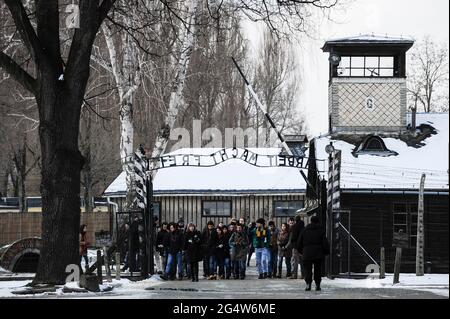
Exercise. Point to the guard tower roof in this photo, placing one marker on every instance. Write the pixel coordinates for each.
(365, 40)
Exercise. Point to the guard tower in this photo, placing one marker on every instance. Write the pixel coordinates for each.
(367, 86)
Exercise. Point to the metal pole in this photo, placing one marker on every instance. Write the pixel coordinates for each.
(420, 230)
(151, 229)
(349, 247)
(330, 176)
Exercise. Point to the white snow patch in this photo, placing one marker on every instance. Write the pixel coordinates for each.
(435, 283)
(395, 172)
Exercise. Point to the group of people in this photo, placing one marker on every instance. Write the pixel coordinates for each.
(226, 250)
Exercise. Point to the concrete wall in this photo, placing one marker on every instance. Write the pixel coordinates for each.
(16, 226)
(347, 104)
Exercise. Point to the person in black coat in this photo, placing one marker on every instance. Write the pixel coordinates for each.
(296, 229)
(313, 245)
(160, 238)
(192, 246)
(174, 243)
(209, 242)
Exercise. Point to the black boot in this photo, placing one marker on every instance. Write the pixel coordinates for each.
(308, 287)
(318, 287)
(261, 276)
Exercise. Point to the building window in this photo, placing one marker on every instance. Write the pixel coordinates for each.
(405, 219)
(287, 208)
(366, 66)
(216, 208)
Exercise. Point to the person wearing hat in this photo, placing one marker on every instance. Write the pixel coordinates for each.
(313, 245)
(261, 243)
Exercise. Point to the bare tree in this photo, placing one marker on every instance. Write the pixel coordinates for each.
(32, 55)
(277, 81)
(428, 76)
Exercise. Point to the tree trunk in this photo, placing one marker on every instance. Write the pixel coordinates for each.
(60, 185)
(87, 169)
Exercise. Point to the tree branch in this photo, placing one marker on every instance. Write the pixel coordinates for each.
(18, 73)
(25, 28)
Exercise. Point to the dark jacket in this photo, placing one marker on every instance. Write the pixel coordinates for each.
(174, 242)
(240, 243)
(192, 245)
(296, 230)
(209, 241)
(273, 245)
(313, 243)
(284, 249)
(223, 247)
(160, 238)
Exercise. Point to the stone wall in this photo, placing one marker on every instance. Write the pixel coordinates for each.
(16, 226)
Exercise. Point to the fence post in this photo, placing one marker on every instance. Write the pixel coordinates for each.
(382, 264)
(398, 260)
(107, 269)
(99, 266)
(118, 266)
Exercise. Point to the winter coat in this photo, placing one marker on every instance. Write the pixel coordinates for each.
(261, 238)
(83, 244)
(174, 242)
(284, 249)
(209, 241)
(222, 250)
(192, 246)
(313, 243)
(296, 230)
(273, 245)
(239, 242)
(160, 238)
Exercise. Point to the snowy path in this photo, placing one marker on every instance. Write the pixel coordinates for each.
(410, 287)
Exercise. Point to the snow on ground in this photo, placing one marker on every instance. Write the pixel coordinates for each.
(435, 283)
(124, 288)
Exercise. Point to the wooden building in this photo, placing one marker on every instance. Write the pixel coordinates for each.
(384, 151)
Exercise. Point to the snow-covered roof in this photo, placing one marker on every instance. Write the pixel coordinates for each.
(368, 39)
(401, 172)
(233, 176)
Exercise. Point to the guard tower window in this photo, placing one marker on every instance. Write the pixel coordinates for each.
(366, 66)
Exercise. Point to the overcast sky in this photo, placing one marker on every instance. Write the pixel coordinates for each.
(393, 17)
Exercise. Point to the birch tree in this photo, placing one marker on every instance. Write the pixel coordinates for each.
(176, 97)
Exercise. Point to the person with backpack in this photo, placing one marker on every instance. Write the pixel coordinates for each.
(261, 242)
(313, 245)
